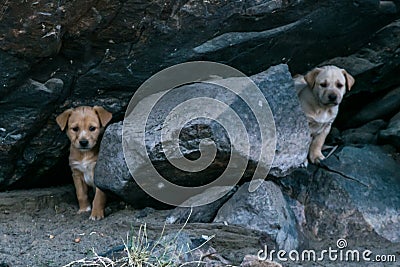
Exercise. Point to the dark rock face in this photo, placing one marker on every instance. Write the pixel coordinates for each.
(381, 108)
(334, 19)
(103, 51)
(13, 71)
(391, 135)
(366, 134)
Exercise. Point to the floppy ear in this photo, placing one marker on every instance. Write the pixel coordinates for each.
(103, 114)
(62, 119)
(349, 79)
(311, 75)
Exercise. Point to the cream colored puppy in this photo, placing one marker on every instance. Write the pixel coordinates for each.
(84, 126)
(320, 92)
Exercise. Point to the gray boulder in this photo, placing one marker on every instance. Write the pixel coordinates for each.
(292, 136)
(292, 132)
(391, 135)
(366, 134)
(355, 196)
(112, 175)
(265, 210)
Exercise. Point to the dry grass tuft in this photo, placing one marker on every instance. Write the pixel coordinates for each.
(140, 251)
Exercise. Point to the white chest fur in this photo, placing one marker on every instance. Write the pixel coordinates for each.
(87, 169)
(323, 117)
(320, 119)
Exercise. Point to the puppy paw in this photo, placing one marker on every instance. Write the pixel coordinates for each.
(304, 164)
(96, 215)
(83, 210)
(316, 157)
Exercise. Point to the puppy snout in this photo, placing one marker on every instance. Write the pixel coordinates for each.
(332, 97)
(83, 143)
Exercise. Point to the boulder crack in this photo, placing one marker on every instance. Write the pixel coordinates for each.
(326, 167)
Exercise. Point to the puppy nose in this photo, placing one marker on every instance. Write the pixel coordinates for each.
(332, 97)
(84, 143)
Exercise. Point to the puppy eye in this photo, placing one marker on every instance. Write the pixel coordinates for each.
(75, 129)
(324, 84)
(92, 128)
(339, 85)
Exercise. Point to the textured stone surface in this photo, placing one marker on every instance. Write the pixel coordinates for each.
(300, 25)
(366, 134)
(23, 114)
(265, 210)
(391, 135)
(204, 213)
(354, 196)
(291, 132)
(384, 108)
(13, 71)
(111, 173)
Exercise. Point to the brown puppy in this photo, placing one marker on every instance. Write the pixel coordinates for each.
(320, 92)
(85, 126)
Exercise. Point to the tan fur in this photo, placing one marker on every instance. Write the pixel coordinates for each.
(320, 92)
(84, 125)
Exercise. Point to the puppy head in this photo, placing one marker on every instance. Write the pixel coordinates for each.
(329, 84)
(84, 125)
